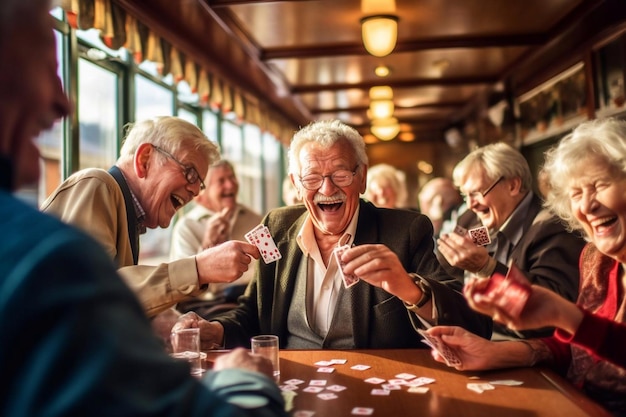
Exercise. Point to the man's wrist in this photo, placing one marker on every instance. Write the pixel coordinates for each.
(488, 269)
(422, 284)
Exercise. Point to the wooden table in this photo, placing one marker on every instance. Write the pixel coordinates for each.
(542, 393)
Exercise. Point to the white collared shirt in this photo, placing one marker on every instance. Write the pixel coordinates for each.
(323, 283)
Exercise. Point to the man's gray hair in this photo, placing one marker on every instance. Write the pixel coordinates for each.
(497, 160)
(325, 133)
(169, 133)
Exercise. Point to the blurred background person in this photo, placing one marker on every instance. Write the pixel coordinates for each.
(215, 218)
(587, 176)
(290, 193)
(386, 186)
(76, 341)
(441, 201)
(497, 185)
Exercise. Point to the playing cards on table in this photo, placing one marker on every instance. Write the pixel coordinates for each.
(261, 238)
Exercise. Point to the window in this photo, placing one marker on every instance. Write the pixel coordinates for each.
(97, 110)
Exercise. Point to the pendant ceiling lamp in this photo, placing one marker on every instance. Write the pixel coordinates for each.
(380, 33)
(385, 129)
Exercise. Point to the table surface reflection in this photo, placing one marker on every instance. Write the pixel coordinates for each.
(543, 393)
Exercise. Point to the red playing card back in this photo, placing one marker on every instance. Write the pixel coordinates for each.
(509, 292)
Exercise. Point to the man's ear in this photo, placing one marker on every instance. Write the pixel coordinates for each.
(142, 159)
(363, 179)
(515, 185)
(292, 178)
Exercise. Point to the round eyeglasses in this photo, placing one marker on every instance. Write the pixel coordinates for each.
(341, 178)
(481, 194)
(191, 174)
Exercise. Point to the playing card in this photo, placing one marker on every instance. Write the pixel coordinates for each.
(338, 361)
(380, 391)
(323, 363)
(294, 382)
(508, 292)
(480, 387)
(304, 413)
(348, 279)
(374, 380)
(507, 382)
(288, 387)
(447, 353)
(362, 411)
(317, 382)
(336, 388)
(391, 387)
(260, 237)
(480, 236)
(360, 367)
(418, 390)
(327, 396)
(312, 389)
(405, 375)
(326, 370)
(418, 382)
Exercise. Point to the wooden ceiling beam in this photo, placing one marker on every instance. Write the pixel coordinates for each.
(447, 42)
(407, 83)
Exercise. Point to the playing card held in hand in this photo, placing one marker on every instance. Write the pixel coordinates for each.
(261, 238)
(509, 292)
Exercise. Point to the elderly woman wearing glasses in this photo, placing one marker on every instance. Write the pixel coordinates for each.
(587, 175)
(160, 169)
(303, 297)
(497, 185)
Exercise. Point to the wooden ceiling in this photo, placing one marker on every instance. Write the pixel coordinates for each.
(307, 59)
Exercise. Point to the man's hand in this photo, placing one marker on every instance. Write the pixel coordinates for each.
(379, 266)
(218, 228)
(241, 359)
(211, 332)
(461, 252)
(225, 262)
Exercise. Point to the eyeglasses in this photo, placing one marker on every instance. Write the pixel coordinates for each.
(481, 194)
(191, 174)
(341, 178)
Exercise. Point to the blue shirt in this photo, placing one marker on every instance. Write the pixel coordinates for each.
(75, 340)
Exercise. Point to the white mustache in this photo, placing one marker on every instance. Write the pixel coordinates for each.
(338, 197)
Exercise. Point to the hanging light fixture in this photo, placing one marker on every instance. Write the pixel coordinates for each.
(385, 129)
(381, 109)
(381, 92)
(380, 33)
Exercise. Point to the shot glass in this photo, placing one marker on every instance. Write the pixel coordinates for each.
(186, 346)
(267, 346)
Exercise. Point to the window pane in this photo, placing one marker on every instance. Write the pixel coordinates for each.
(51, 145)
(185, 114)
(209, 125)
(232, 146)
(152, 99)
(272, 171)
(97, 110)
(250, 170)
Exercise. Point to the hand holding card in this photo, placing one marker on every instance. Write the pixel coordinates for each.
(261, 238)
(348, 279)
(445, 351)
(509, 292)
